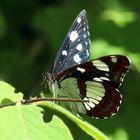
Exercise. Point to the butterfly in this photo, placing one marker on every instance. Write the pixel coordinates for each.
(96, 81)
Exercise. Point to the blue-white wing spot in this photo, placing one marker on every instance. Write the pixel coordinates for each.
(64, 52)
(75, 48)
(77, 59)
(73, 36)
(79, 47)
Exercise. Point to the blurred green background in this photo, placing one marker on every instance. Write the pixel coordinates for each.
(31, 32)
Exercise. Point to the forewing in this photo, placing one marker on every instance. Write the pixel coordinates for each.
(98, 82)
(110, 69)
(75, 48)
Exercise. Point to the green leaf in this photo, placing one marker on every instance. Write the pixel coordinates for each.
(86, 127)
(7, 94)
(24, 122)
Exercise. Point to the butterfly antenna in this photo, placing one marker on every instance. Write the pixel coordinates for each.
(35, 89)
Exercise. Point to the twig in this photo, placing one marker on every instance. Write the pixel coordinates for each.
(29, 101)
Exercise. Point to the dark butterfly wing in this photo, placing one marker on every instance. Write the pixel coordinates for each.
(98, 82)
(112, 69)
(75, 48)
(103, 103)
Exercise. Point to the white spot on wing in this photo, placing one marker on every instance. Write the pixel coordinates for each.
(105, 118)
(97, 79)
(82, 70)
(96, 118)
(107, 74)
(87, 106)
(79, 20)
(85, 98)
(120, 101)
(77, 58)
(121, 96)
(118, 108)
(114, 59)
(87, 52)
(100, 65)
(91, 104)
(105, 78)
(94, 101)
(79, 47)
(86, 43)
(84, 36)
(64, 52)
(73, 35)
(113, 114)
(84, 29)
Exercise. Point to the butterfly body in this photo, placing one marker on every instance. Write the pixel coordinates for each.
(75, 76)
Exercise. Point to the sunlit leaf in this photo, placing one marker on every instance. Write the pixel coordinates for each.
(7, 94)
(24, 122)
